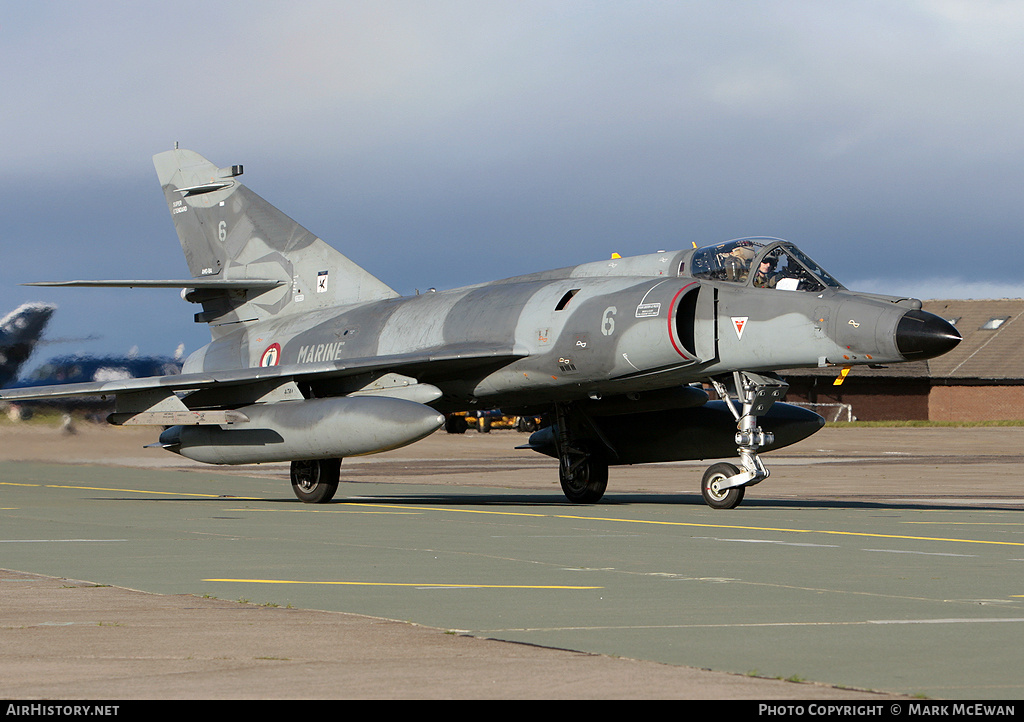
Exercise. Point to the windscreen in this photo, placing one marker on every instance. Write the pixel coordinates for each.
(762, 263)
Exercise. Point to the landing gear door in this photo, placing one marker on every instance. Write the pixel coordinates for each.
(705, 324)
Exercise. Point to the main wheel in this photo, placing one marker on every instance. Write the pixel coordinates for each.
(720, 498)
(455, 424)
(526, 424)
(316, 481)
(583, 475)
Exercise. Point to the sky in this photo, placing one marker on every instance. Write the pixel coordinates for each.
(443, 143)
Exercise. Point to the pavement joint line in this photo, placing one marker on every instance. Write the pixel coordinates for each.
(38, 541)
(967, 523)
(733, 625)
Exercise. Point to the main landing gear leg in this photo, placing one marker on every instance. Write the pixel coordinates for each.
(582, 466)
(723, 484)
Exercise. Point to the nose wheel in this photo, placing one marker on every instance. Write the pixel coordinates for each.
(715, 494)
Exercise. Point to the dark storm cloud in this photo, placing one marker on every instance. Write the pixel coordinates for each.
(442, 143)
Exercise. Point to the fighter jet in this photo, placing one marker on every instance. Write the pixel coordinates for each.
(313, 359)
(19, 332)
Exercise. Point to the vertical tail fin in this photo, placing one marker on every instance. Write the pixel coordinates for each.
(229, 233)
(19, 332)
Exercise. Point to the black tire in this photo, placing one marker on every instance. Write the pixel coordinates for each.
(526, 424)
(714, 498)
(316, 481)
(456, 424)
(585, 479)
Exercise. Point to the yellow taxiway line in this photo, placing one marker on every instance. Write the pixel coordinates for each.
(575, 517)
(432, 585)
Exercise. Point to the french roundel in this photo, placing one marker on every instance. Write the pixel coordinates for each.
(272, 356)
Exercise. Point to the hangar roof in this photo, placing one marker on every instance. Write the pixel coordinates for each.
(993, 345)
(992, 349)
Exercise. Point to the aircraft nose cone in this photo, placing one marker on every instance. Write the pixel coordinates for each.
(923, 335)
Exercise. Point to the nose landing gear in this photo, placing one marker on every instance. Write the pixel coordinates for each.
(723, 484)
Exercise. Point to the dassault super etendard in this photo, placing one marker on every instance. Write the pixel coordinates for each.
(313, 359)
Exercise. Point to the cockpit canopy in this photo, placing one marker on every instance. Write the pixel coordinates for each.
(763, 263)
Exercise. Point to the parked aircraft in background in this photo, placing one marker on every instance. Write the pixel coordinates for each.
(313, 359)
(80, 368)
(19, 333)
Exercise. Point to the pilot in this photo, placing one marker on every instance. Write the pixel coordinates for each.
(763, 276)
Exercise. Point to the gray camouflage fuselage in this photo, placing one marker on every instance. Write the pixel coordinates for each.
(615, 335)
